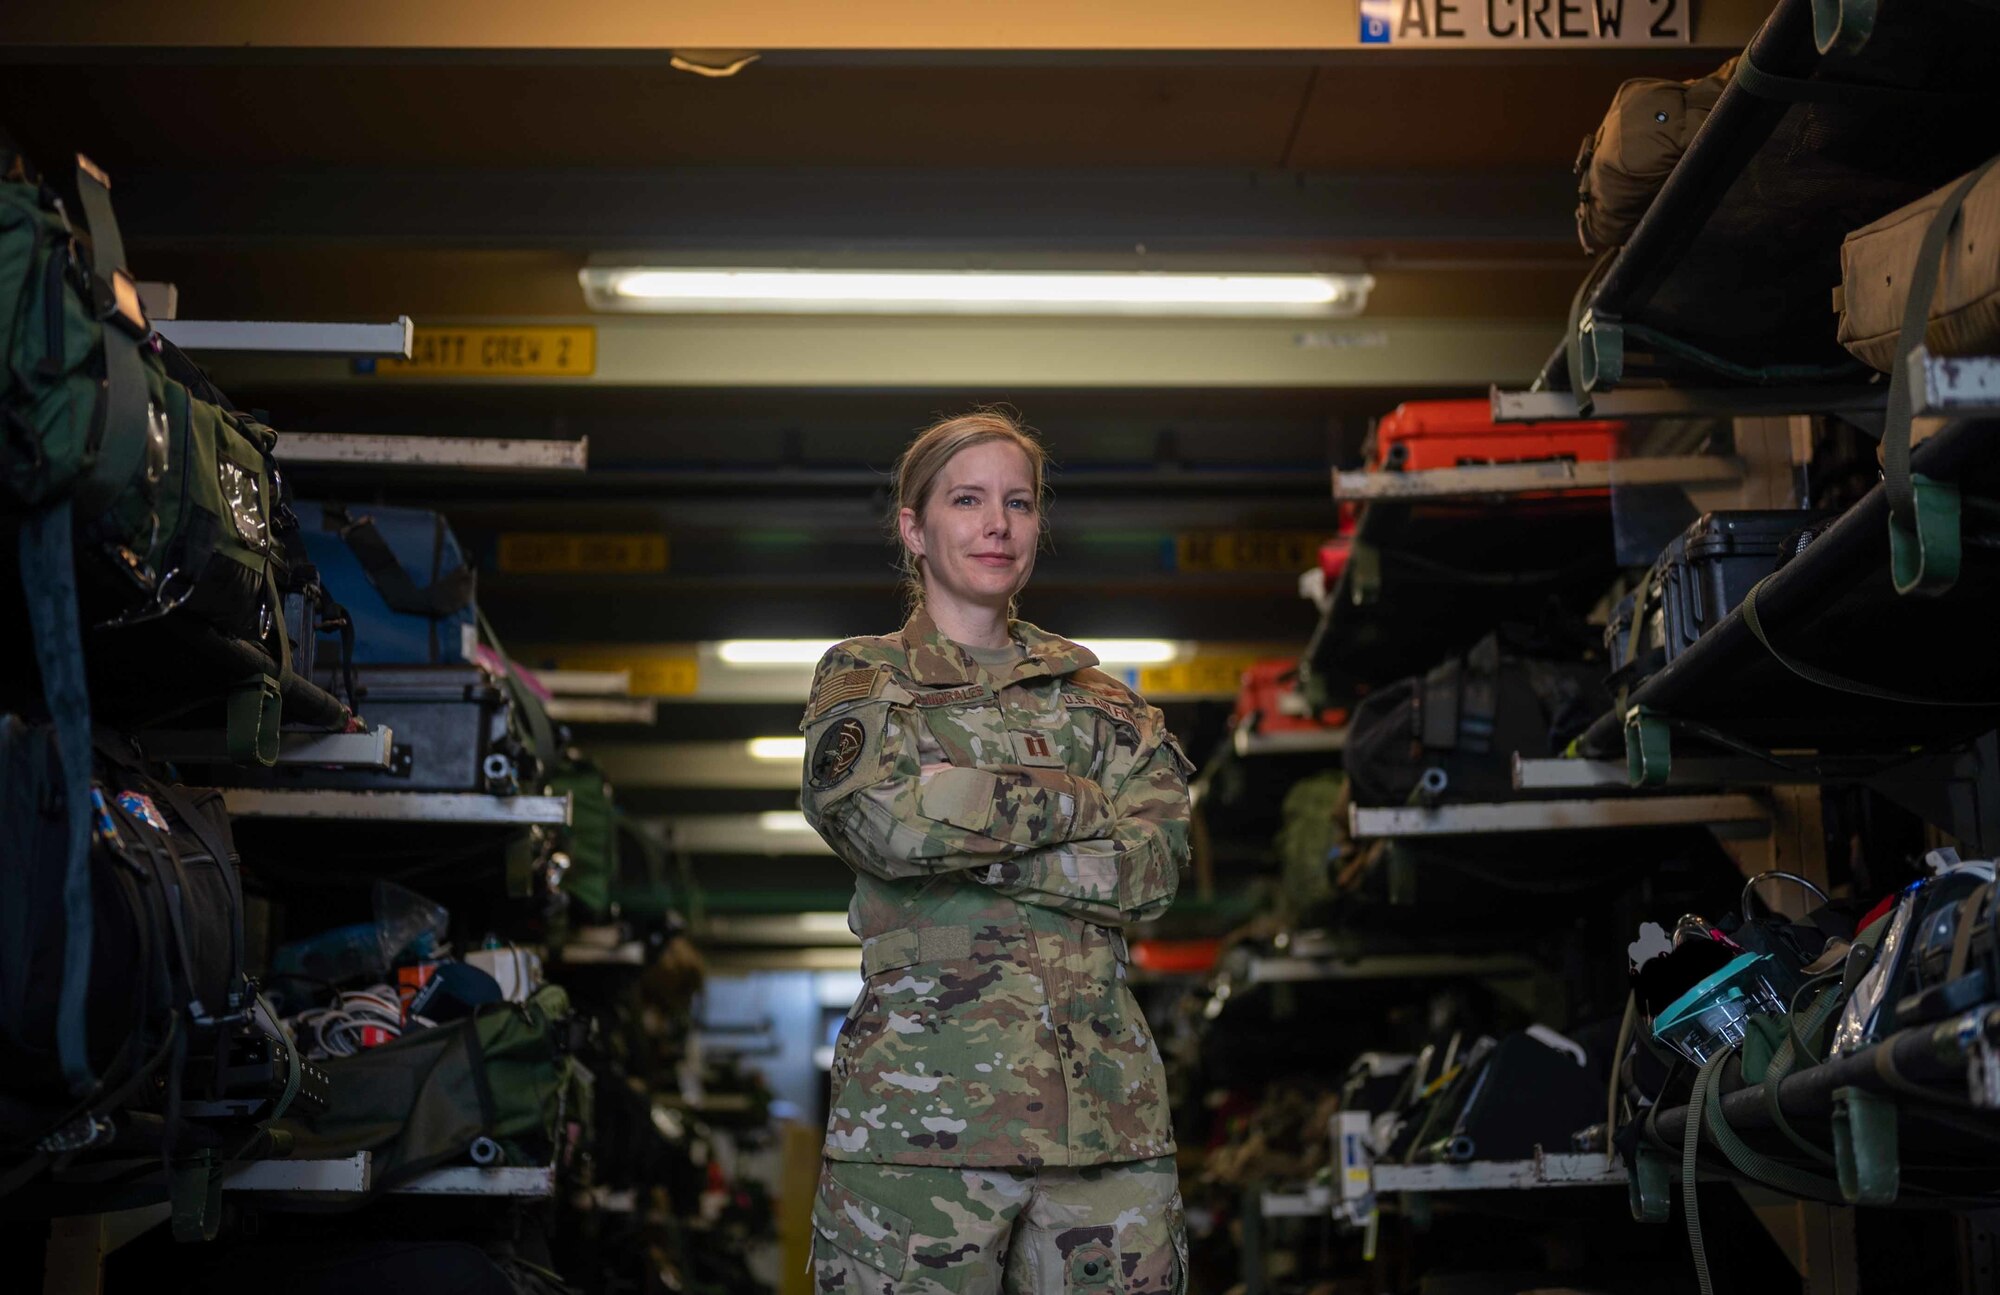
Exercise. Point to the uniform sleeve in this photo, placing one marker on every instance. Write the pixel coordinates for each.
(865, 793)
(1132, 873)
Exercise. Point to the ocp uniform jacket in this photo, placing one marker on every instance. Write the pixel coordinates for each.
(995, 1026)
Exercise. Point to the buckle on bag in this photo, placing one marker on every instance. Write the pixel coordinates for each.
(116, 301)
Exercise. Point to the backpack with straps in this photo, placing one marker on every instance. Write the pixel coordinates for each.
(161, 961)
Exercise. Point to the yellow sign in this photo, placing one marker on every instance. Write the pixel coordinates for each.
(654, 674)
(1286, 551)
(553, 552)
(446, 352)
(1213, 675)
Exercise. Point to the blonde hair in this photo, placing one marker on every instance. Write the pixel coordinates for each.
(923, 461)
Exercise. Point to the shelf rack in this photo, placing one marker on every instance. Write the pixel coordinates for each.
(397, 806)
(275, 337)
(473, 453)
(1591, 814)
(1250, 744)
(1511, 479)
(353, 1177)
(1833, 611)
(372, 749)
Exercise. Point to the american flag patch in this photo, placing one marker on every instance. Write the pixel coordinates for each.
(848, 685)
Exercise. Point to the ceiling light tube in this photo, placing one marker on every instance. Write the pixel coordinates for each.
(777, 749)
(761, 652)
(674, 290)
(783, 820)
(1133, 651)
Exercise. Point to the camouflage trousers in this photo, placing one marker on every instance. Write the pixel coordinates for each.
(928, 1230)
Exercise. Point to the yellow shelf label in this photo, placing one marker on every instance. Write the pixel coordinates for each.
(566, 553)
(1215, 675)
(446, 352)
(654, 674)
(1281, 551)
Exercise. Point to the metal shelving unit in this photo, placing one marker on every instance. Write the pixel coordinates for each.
(1571, 815)
(274, 337)
(474, 453)
(398, 806)
(353, 1177)
(296, 749)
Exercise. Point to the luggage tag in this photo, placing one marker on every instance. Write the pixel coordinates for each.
(141, 807)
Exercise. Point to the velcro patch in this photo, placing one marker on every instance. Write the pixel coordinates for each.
(1034, 749)
(953, 696)
(848, 685)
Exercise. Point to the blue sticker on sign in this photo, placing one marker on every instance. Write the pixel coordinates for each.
(1376, 16)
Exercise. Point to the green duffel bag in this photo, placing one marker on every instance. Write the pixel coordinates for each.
(215, 551)
(136, 498)
(75, 336)
(421, 1101)
(590, 842)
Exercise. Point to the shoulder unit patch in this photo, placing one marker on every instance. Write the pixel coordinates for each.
(839, 747)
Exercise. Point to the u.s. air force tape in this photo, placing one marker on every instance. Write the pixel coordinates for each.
(839, 747)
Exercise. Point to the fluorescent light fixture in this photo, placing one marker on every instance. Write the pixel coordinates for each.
(776, 749)
(784, 820)
(793, 652)
(1133, 651)
(755, 652)
(675, 290)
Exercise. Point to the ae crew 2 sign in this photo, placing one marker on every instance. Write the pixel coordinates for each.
(1471, 24)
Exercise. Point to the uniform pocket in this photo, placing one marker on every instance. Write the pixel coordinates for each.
(960, 797)
(874, 1234)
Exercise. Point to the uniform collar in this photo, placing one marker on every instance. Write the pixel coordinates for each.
(935, 660)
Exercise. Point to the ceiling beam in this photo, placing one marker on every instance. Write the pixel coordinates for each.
(726, 25)
(792, 209)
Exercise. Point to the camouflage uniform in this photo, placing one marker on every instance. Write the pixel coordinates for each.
(995, 1031)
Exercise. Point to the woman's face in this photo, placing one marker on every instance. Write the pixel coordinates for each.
(979, 528)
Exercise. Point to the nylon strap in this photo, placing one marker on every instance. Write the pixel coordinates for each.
(445, 596)
(1690, 1156)
(1786, 1059)
(254, 709)
(48, 583)
(1827, 678)
(172, 882)
(1755, 1164)
(210, 836)
(541, 735)
(1916, 318)
(121, 445)
(1849, 94)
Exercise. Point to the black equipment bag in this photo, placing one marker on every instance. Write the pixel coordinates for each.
(1508, 1100)
(162, 957)
(1699, 579)
(456, 729)
(1452, 734)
